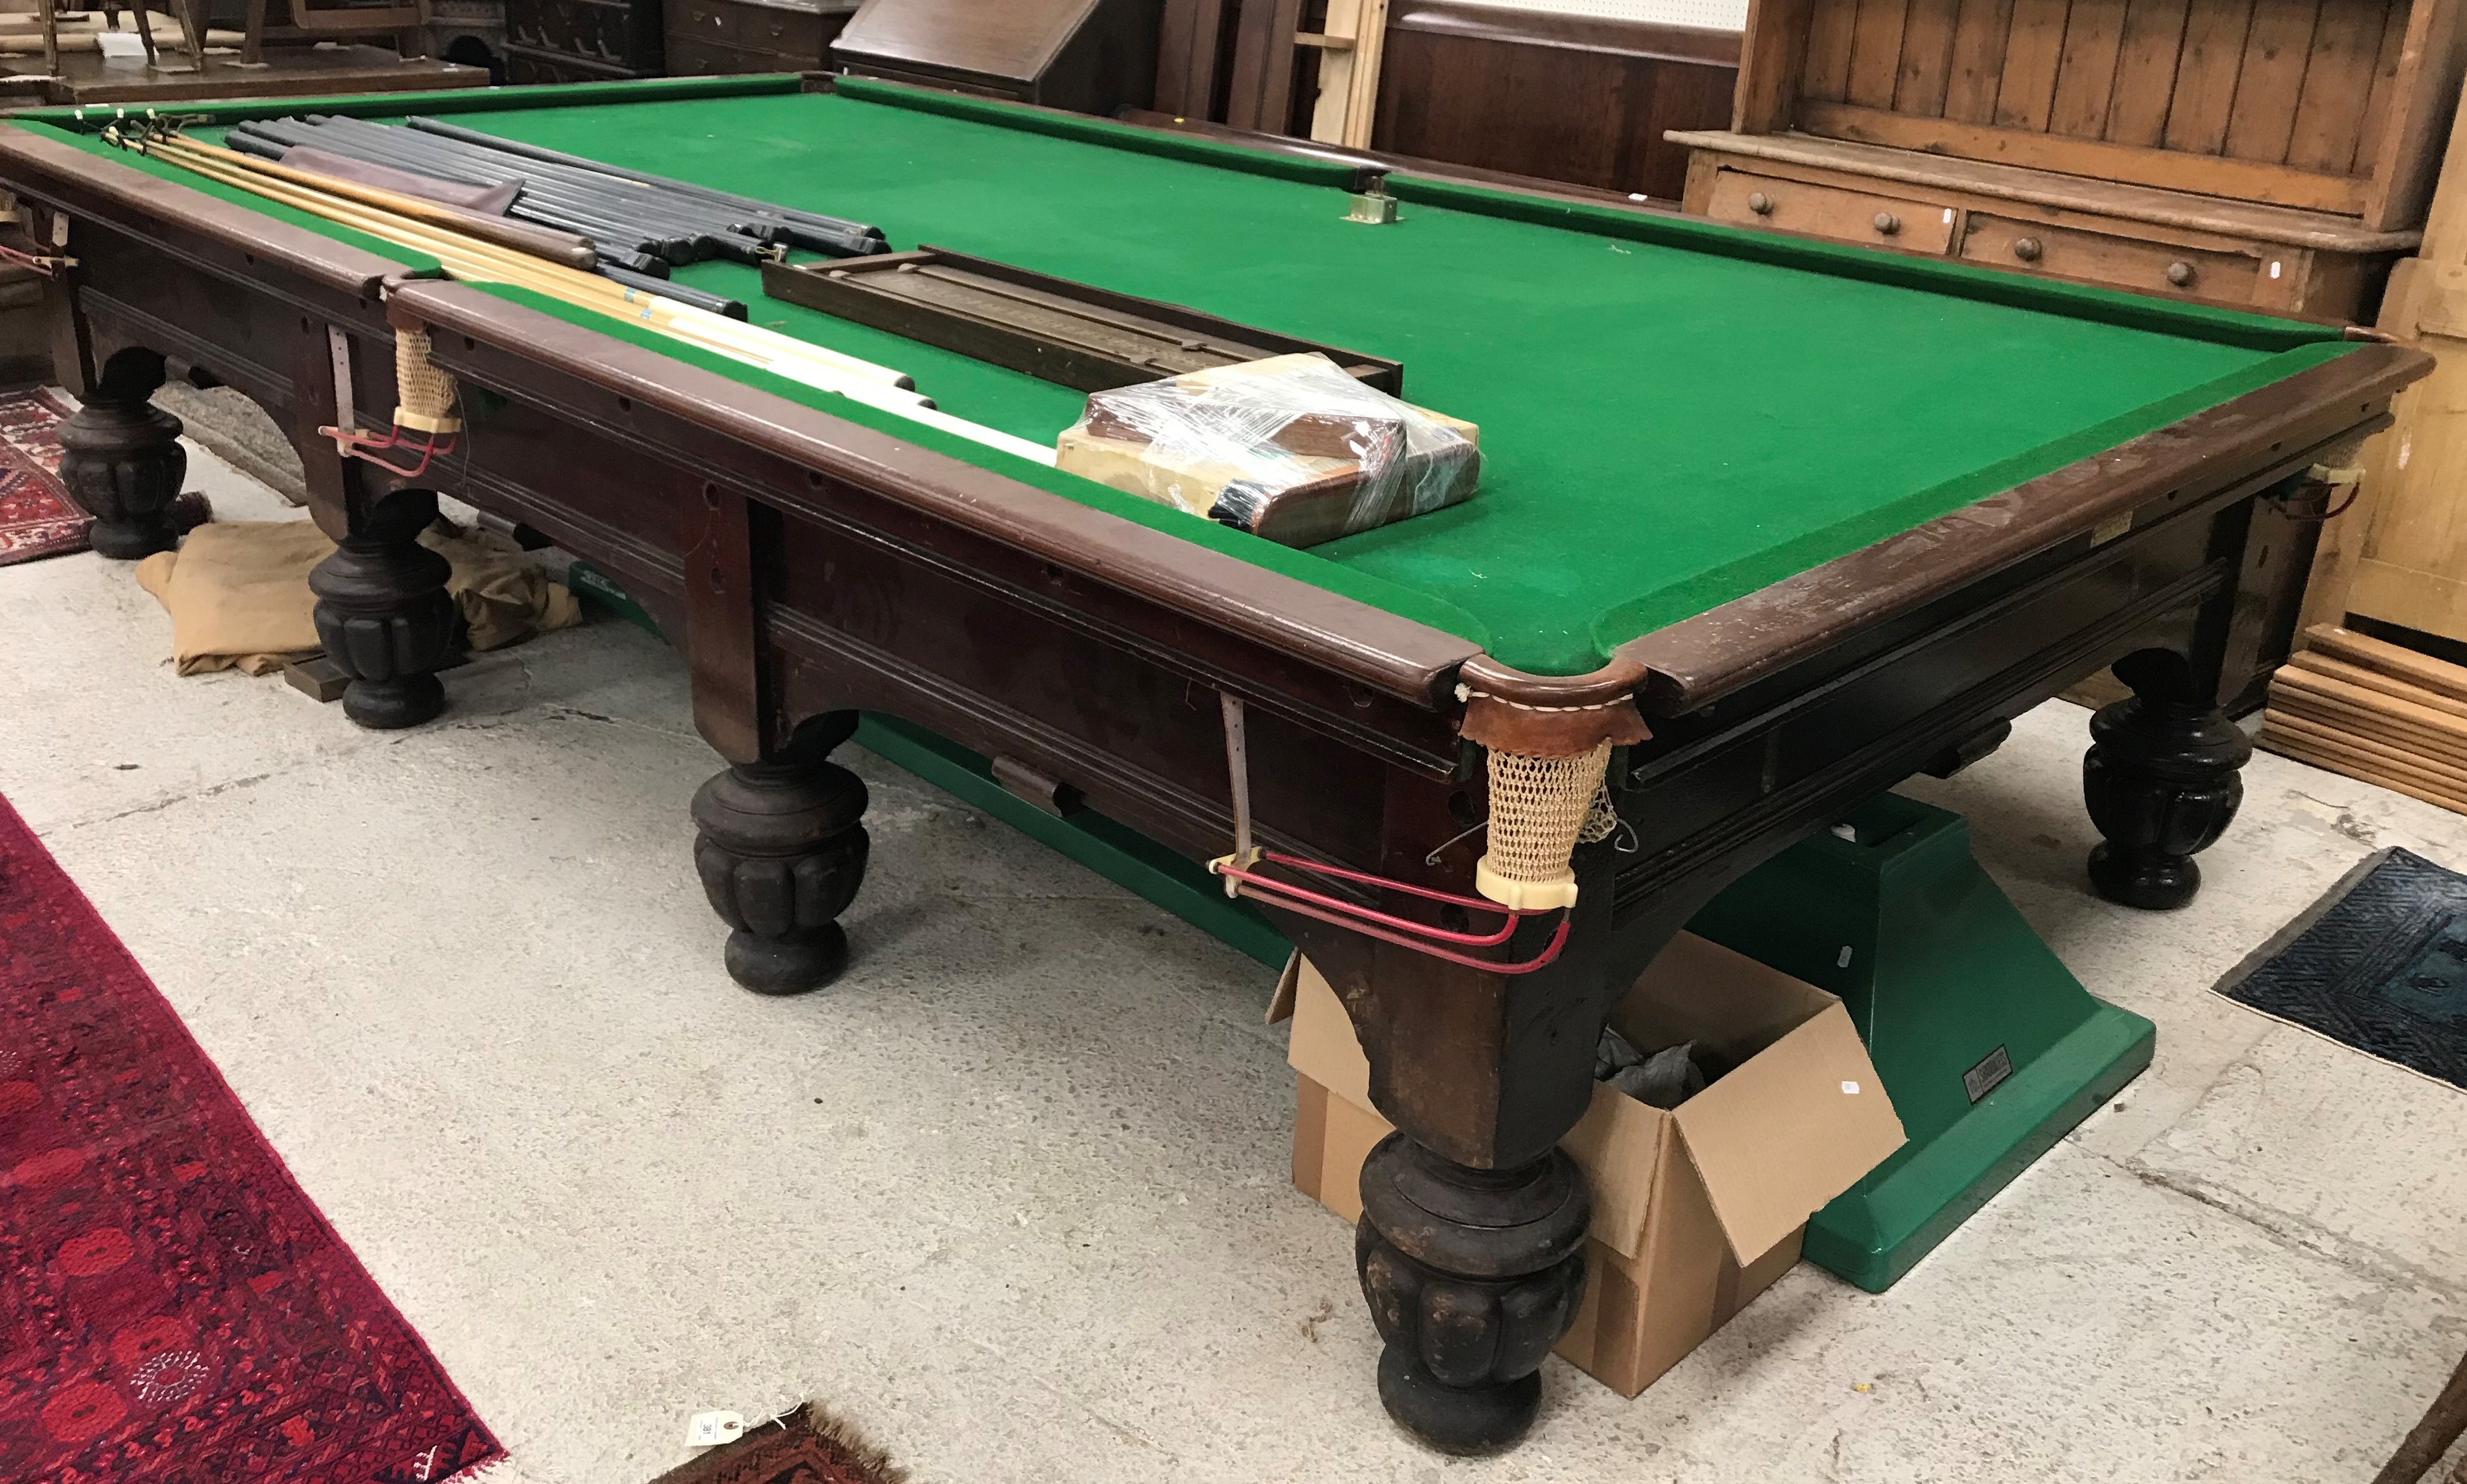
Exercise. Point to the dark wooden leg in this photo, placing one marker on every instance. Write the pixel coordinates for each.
(2161, 781)
(1471, 1245)
(191, 18)
(144, 32)
(122, 461)
(781, 854)
(1472, 1276)
(383, 613)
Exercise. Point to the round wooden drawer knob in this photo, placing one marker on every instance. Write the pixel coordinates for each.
(2180, 274)
(2027, 249)
(1760, 203)
(1887, 223)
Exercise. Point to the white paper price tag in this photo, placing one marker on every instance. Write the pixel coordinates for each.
(708, 1429)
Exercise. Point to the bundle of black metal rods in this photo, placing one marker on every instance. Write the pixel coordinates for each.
(812, 231)
(640, 223)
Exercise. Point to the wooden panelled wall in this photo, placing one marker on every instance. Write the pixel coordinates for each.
(1561, 97)
(2296, 102)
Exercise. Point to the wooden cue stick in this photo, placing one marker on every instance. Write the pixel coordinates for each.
(2424, 718)
(2363, 716)
(2349, 718)
(714, 331)
(2336, 762)
(2305, 748)
(559, 247)
(2368, 749)
(2323, 664)
(812, 365)
(2381, 749)
(2368, 774)
(2359, 649)
(483, 261)
(471, 260)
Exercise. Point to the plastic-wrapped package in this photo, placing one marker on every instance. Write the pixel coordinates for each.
(1290, 448)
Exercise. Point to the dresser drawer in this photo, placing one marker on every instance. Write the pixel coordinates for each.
(1831, 212)
(790, 33)
(703, 20)
(693, 57)
(2108, 258)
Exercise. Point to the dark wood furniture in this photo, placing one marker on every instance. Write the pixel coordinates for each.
(87, 77)
(190, 16)
(1567, 98)
(717, 37)
(1580, 100)
(582, 40)
(808, 567)
(1086, 56)
(2256, 151)
(308, 23)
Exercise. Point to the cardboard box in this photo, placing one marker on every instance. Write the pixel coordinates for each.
(1696, 1210)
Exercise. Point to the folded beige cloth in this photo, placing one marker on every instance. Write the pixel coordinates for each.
(238, 593)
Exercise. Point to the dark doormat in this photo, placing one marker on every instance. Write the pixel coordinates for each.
(807, 1446)
(2378, 963)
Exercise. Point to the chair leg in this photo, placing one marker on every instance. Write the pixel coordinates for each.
(50, 20)
(2430, 1438)
(192, 30)
(252, 46)
(146, 33)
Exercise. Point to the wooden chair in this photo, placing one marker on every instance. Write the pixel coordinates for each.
(309, 23)
(188, 12)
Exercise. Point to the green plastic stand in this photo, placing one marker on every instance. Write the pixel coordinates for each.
(1990, 1049)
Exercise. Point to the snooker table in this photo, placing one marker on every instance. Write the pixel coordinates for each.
(1785, 521)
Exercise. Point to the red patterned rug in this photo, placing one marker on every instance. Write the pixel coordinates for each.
(172, 1308)
(36, 517)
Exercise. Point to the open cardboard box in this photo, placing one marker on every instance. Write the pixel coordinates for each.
(1696, 1210)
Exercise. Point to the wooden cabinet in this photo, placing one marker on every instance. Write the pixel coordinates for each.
(2159, 242)
(2276, 153)
(709, 38)
(1582, 99)
(1089, 56)
(581, 40)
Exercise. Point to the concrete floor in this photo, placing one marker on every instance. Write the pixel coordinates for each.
(1013, 1194)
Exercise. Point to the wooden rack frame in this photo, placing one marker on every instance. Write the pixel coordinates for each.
(2326, 106)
